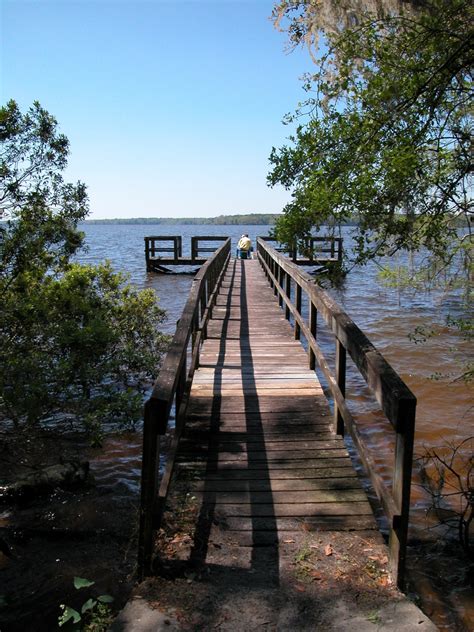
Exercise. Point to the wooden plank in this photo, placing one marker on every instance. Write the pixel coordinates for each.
(241, 465)
(278, 485)
(282, 498)
(350, 522)
(300, 510)
(344, 470)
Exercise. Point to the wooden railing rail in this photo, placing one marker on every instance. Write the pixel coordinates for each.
(395, 399)
(313, 248)
(197, 249)
(173, 386)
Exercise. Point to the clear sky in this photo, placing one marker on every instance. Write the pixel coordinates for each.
(171, 107)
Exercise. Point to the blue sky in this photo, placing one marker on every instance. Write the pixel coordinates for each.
(171, 108)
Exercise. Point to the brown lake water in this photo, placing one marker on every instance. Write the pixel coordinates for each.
(387, 316)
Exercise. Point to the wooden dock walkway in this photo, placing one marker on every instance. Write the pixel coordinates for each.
(257, 458)
(258, 454)
(259, 520)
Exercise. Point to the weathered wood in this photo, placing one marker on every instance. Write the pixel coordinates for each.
(171, 252)
(394, 397)
(258, 445)
(259, 454)
(173, 380)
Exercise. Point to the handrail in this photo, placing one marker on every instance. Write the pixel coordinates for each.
(173, 385)
(309, 251)
(396, 400)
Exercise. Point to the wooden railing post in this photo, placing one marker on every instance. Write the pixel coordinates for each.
(280, 281)
(288, 295)
(276, 274)
(149, 484)
(147, 254)
(341, 382)
(298, 309)
(313, 322)
(401, 485)
(181, 386)
(272, 272)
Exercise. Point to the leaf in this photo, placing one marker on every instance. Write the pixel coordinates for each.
(67, 615)
(105, 599)
(88, 605)
(328, 550)
(80, 582)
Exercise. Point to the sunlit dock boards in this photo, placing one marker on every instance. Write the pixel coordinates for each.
(258, 442)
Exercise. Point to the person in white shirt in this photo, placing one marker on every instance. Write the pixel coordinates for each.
(244, 247)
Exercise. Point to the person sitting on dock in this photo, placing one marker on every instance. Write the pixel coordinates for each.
(244, 247)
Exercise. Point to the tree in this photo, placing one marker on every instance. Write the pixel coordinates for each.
(385, 134)
(77, 343)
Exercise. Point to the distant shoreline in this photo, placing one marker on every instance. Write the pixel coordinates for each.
(257, 219)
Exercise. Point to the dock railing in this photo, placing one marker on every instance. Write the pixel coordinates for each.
(173, 386)
(172, 245)
(395, 399)
(316, 249)
(197, 249)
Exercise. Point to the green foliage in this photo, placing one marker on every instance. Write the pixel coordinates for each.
(387, 134)
(95, 614)
(76, 342)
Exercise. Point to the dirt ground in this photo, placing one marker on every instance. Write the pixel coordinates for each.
(48, 539)
(297, 584)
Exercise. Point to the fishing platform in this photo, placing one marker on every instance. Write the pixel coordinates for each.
(163, 251)
(255, 442)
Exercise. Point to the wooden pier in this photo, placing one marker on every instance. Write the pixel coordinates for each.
(255, 443)
(163, 251)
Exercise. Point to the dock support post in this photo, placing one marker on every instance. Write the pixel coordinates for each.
(288, 295)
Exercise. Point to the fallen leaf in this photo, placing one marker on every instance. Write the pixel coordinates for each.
(384, 560)
(288, 541)
(315, 575)
(300, 588)
(328, 549)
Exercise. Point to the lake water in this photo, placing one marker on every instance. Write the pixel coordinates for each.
(386, 315)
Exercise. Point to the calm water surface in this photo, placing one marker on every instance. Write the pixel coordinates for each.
(386, 315)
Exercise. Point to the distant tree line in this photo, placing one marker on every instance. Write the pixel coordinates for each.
(250, 219)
